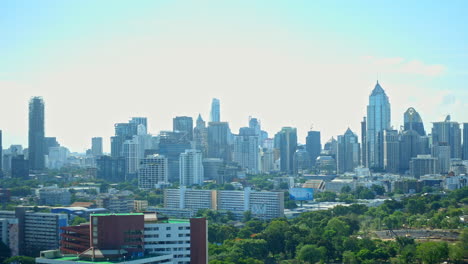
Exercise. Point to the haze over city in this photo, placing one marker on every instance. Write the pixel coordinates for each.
(289, 64)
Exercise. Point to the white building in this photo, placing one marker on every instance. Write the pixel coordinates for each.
(57, 157)
(191, 167)
(132, 153)
(153, 172)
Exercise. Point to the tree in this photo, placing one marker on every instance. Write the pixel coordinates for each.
(432, 252)
(20, 260)
(378, 189)
(247, 216)
(275, 235)
(78, 220)
(310, 254)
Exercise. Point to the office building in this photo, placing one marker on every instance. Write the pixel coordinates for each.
(441, 151)
(183, 124)
(212, 168)
(218, 143)
(422, 165)
(391, 151)
(132, 154)
(215, 113)
(19, 167)
(313, 145)
(246, 150)
(119, 203)
(96, 146)
(465, 141)
(171, 145)
(348, 152)
(287, 145)
(448, 132)
(191, 167)
(413, 121)
(378, 120)
(36, 146)
(301, 160)
(153, 172)
(57, 158)
(200, 136)
(1, 155)
(186, 198)
(111, 169)
(364, 143)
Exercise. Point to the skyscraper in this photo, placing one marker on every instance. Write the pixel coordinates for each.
(363, 143)
(215, 114)
(200, 136)
(378, 120)
(246, 151)
(448, 132)
(465, 141)
(313, 145)
(413, 121)
(218, 143)
(183, 124)
(191, 167)
(96, 146)
(36, 147)
(1, 154)
(392, 151)
(287, 145)
(348, 152)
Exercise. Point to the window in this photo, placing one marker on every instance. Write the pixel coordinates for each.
(168, 235)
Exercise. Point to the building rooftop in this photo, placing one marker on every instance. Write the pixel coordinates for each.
(118, 214)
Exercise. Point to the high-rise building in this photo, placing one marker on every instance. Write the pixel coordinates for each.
(465, 141)
(191, 167)
(171, 145)
(96, 146)
(153, 172)
(287, 145)
(391, 151)
(140, 121)
(183, 124)
(422, 165)
(441, 151)
(301, 160)
(413, 121)
(378, 120)
(313, 145)
(215, 114)
(448, 132)
(218, 143)
(246, 150)
(348, 152)
(364, 143)
(200, 136)
(36, 147)
(131, 152)
(111, 169)
(1, 154)
(19, 167)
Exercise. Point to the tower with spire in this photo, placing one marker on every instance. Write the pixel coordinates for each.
(378, 120)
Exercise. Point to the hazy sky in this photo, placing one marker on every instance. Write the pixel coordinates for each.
(289, 63)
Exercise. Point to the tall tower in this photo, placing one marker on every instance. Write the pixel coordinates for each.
(183, 124)
(96, 146)
(378, 120)
(36, 134)
(448, 133)
(347, 152)
(287, 146)
(313, 145)
(465, 141)
(215, 114)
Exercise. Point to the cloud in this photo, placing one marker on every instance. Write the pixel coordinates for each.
(403, 66)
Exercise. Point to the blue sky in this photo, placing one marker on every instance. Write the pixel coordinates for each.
(289, 63)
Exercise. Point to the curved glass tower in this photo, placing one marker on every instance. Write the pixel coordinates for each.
(378, 120)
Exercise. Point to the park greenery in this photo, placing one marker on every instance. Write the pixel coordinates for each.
(345, 234)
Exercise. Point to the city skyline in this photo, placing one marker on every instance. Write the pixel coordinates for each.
(282, 63)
